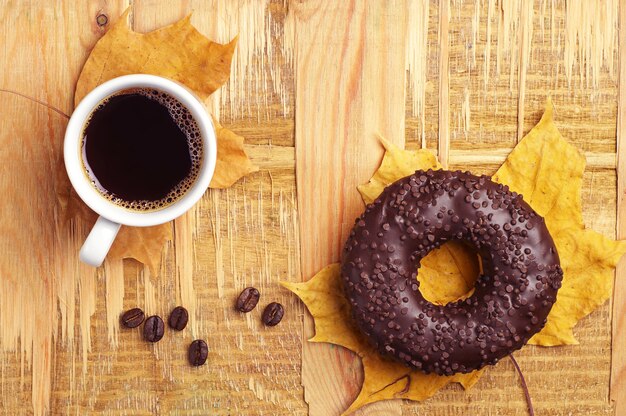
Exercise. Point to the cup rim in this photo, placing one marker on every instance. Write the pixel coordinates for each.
(88, 193)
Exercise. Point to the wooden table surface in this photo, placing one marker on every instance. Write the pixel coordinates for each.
(313, 82)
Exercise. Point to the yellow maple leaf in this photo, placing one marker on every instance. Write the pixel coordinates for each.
(547, 171)
(383, 378)
(232, 161)
(143, 244)
(397, 163)
(178, 52)
(448, 273)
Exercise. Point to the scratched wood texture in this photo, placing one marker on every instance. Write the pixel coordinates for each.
(313, 81)
(476, 77)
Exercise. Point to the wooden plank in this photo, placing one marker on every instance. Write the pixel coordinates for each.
(595, 160)
(524, 33)
(618, 352)
(349, 87)
(444, 84)
(147, 15)
(242, 236)
(562, 380)
(246, 235)
(71, 356)
(43, 46)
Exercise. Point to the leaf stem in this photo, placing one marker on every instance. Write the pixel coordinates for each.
(531, 410)
(56, 110)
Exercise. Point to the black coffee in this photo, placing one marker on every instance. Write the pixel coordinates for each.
(142, 149)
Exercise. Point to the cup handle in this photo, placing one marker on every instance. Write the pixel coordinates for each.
(98, 242)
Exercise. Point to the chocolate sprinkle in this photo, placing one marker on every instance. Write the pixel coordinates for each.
(512, 297)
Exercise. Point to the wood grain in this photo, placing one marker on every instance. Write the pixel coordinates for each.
(443, 146)
(46, 46)
(618, 353)
(313, 82)
(252, 369)
(349, 87)
(488, 90)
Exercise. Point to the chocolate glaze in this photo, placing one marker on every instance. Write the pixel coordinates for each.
(512, 297)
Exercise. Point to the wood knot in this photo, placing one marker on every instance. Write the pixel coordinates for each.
(102, 20)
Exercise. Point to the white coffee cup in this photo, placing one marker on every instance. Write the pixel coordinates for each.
(112, 216)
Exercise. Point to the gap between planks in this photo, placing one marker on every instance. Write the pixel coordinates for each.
(444, 84)
(282, 157)
(618, 352)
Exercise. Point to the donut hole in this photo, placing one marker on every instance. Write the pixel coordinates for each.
(449, 273)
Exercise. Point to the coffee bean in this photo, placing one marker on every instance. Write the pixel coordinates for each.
(198, 352)
(273, 314)
(248, 299)
(132, 318)
(153, 329)
(178, 318)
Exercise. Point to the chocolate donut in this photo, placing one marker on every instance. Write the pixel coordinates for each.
(520, 276)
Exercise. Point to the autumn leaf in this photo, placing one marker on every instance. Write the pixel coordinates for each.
(547, 171)
(143, 244)
(383, 378)
(232, 161)
(178, 52)
(448, 273)
(397, 163)
(453, 263)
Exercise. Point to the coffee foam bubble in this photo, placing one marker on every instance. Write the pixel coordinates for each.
(185, 121)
